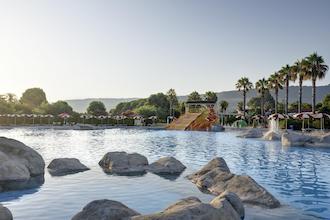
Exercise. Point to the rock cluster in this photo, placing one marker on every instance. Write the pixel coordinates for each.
(63, 166)
(227, 206)
(290, 139)
(251, 133)
(123, 163)
(20, 166)
(215, 177)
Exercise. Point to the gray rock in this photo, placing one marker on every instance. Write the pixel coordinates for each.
(193, 209)
(272, 136)
(296, 139)
(124, 163)
(234, 201)
(5, 214)
(217, 162)
(166, 165)
(218, 180)
(104, 210)
(251, 133)
(20, 166)
(63, 166)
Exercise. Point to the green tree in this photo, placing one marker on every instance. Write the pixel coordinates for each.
(96, 108)
(194, 96)
(269, 103)
(240, 105)
(223, 105)
(211, 96)
(262, 87)
(59, 107)
(244, 85)
(33, 97)
(288, 76)
(316, 70)
(173, 100)
(275, 82)
(147, 111)
(300, 70)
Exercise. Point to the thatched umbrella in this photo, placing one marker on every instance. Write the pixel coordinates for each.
(277, 117)
(64, 116)
(302, 116)
(320, 116)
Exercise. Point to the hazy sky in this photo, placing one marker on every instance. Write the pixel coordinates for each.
(103, 48)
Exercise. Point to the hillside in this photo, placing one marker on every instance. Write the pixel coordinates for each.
(233, 97)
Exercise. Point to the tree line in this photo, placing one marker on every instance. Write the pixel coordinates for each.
(311, 68)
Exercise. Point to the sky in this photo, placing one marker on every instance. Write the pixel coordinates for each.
(133, 48)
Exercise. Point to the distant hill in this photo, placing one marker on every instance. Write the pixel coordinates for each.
(80, 105)
(233, 97)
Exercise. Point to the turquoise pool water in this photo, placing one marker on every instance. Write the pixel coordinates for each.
(298, 177)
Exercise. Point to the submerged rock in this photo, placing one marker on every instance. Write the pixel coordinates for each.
(5, 214)
(20, 166)
(193, 209)
(124, 163)
(216, 178)
(272, 136)
(63, 166)
(166, 165)
(105, 209)
(251, 133)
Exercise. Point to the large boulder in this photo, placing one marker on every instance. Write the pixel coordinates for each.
(272, 136)
(290, 139)
(124, 163)
(103, 210)
(216, 180)
(193, 209)
(63, 166)
(20, 166)
(167, 165)
(251, 133)
(5, 214)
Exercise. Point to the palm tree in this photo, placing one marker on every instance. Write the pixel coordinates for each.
(275, 82)
(316, 70)
(262, 87)
(287, 75)
(244, 85)
(224, 105)
(300, 70)
(173, 100)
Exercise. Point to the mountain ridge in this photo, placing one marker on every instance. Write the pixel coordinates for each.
(231, 96)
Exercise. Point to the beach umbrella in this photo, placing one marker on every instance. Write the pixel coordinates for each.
(153, 118)
(302, 116)
(320, 116)
(101, 117)
(277, 117)
(64, 116)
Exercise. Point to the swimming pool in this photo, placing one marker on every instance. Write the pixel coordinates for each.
(299, 177)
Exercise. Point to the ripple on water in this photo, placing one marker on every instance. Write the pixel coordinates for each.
(299, 177)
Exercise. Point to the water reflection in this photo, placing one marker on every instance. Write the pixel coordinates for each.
(299, 177)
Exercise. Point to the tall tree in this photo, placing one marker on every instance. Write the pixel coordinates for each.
(33, 97)
(173, 100)
(96, 108)
(262, 87)
(287, 75)
(223, 105)
(316, 70)
(194, 96)
(300, 71)
(275, 82)
(244, 85)
(211, 96)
